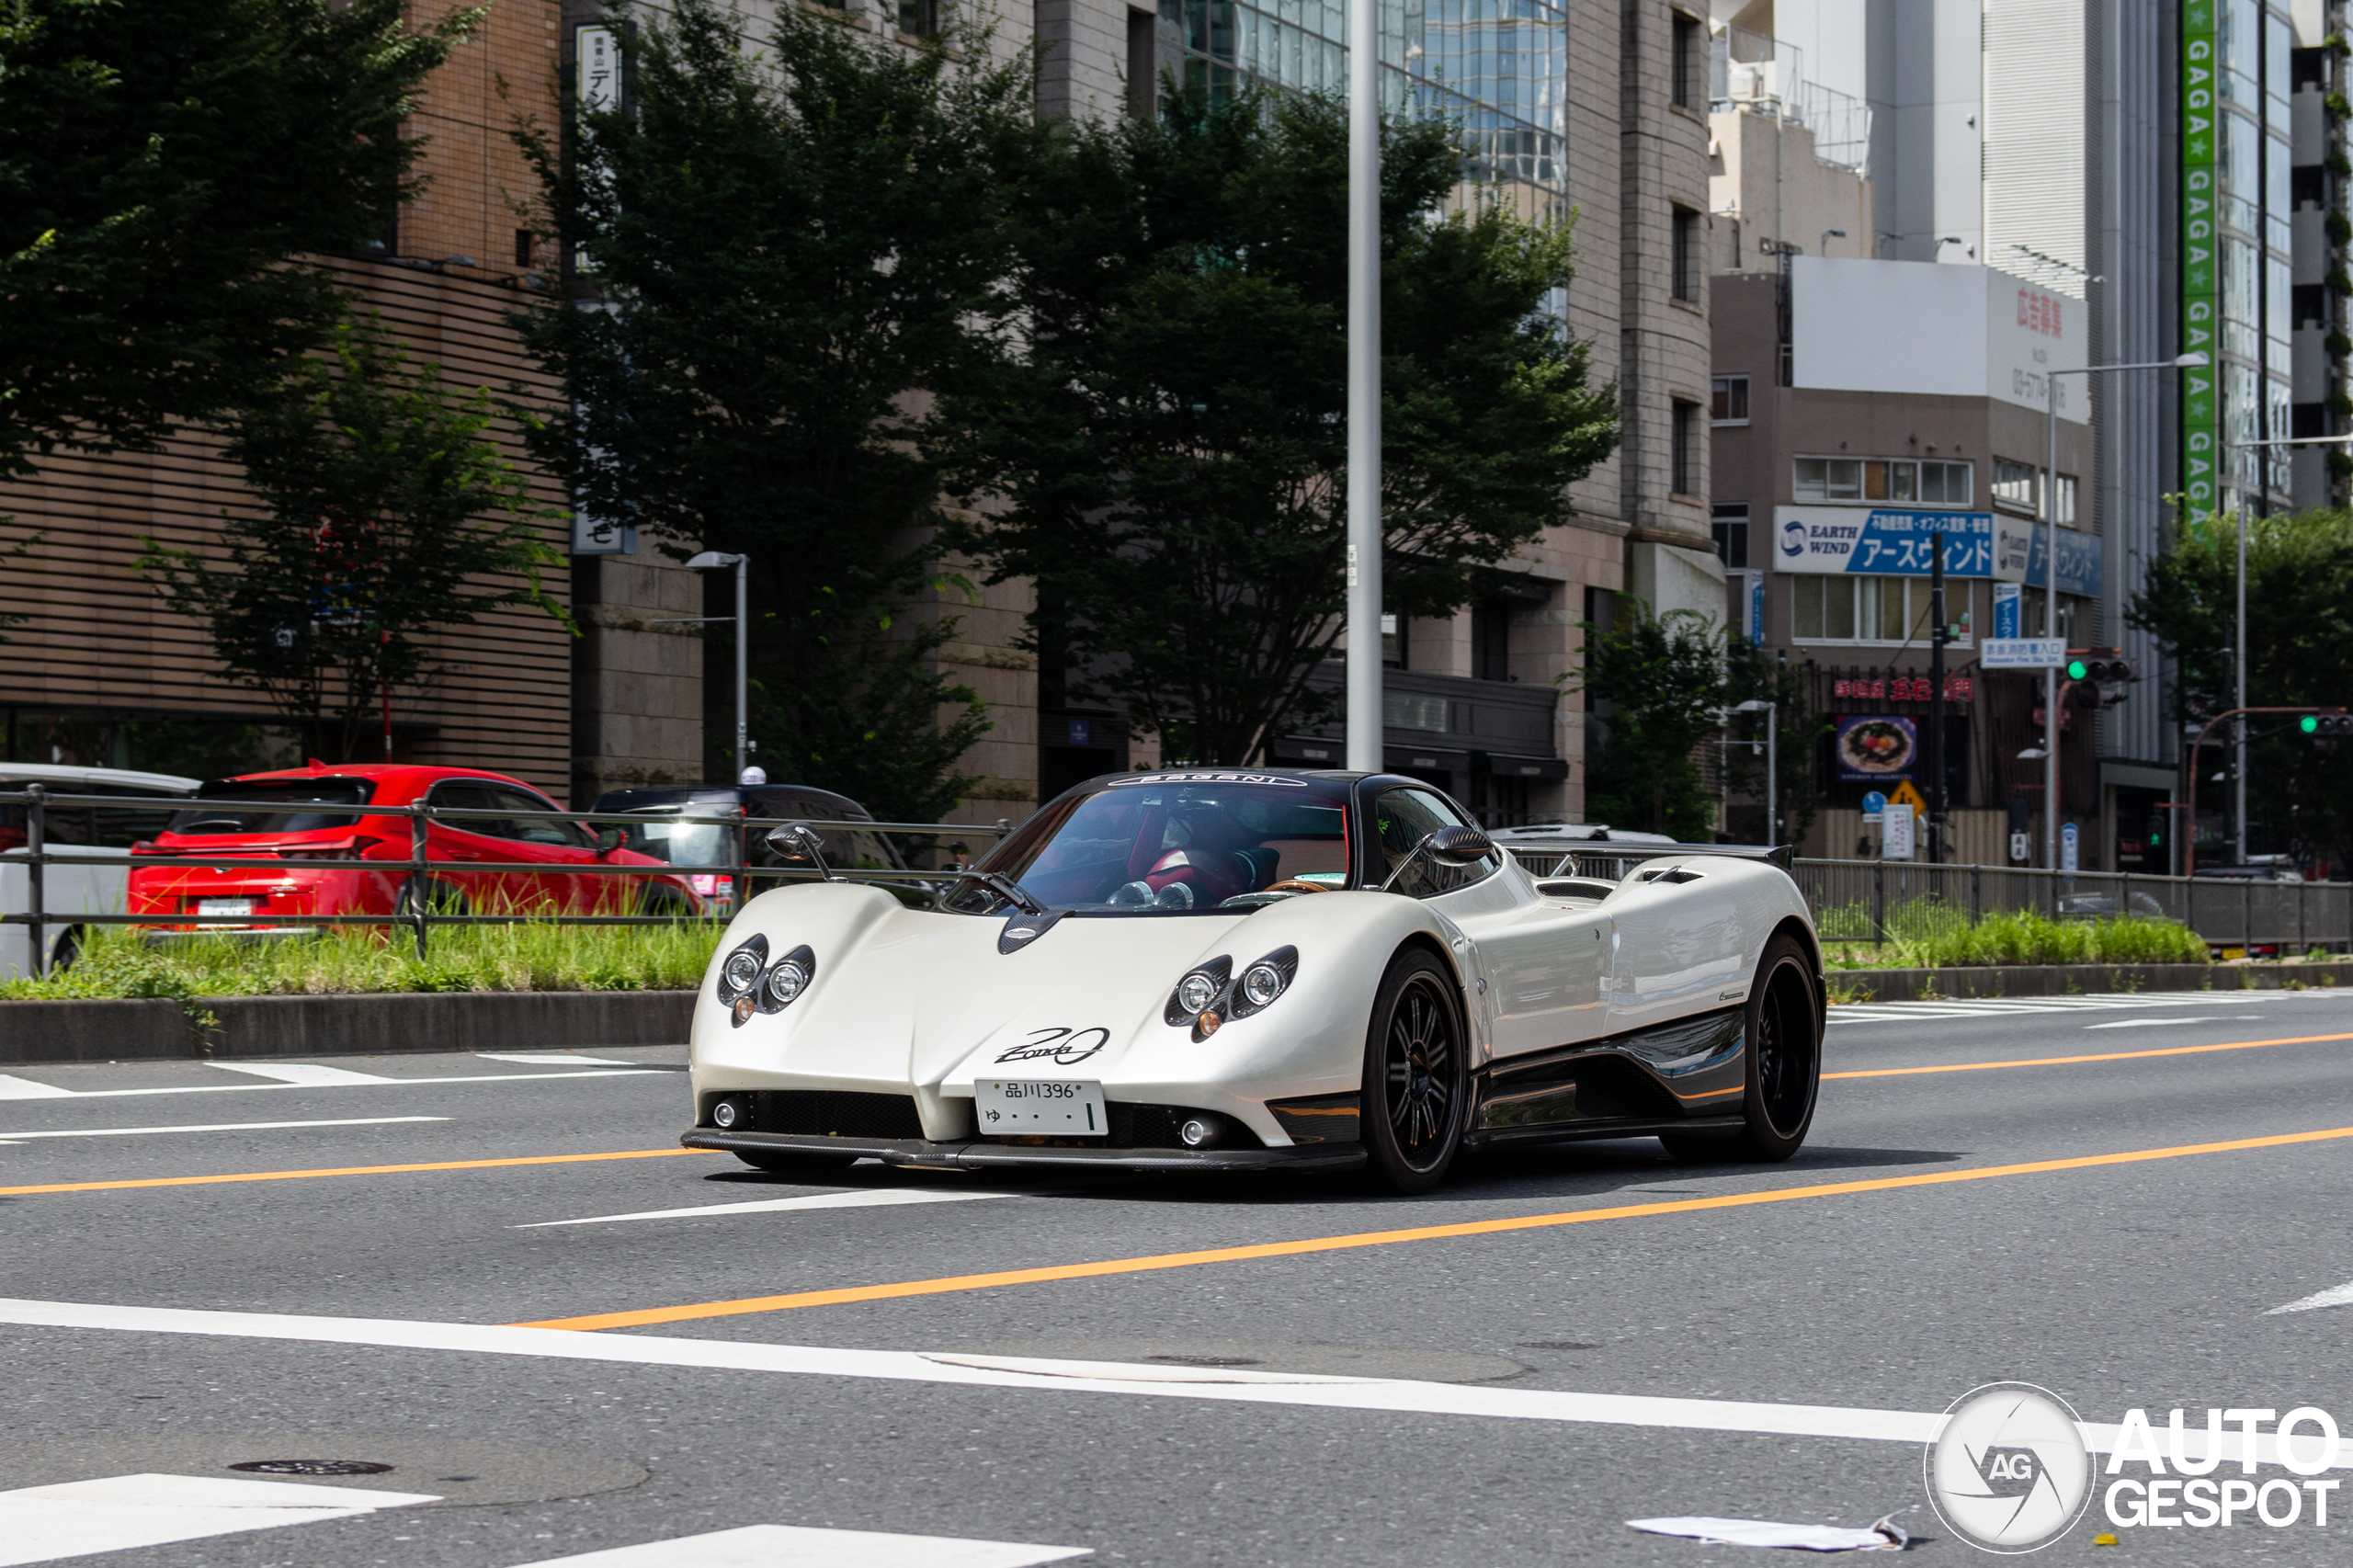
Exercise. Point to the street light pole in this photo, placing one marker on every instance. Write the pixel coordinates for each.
(1772, 765)
(711, 561)
(2051, 583)
(1364, 706)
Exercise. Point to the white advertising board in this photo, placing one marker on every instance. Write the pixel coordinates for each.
(1920, 326)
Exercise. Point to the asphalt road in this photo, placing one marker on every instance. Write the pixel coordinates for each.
(435, 1204)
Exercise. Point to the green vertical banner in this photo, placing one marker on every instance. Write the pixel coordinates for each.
(2201, 404)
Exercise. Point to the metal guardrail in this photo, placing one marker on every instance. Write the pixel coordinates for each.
(421, 870)
(1871, 900)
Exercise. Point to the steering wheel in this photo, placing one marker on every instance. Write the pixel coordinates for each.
(1294, 887)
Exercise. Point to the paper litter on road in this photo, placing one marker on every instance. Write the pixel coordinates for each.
(1884, 1536)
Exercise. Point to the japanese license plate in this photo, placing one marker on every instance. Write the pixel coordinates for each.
(225, 906)
(1061, 1108)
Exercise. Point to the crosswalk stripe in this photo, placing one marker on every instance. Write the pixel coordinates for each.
(43, 1524)
(357, 1080)
(767, 1546)
(213, 1127)
(307, 1073)
(554, 1058)
(26, 1089)
(1996, 1007)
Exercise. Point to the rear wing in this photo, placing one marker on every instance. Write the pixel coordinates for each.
(1611, 861)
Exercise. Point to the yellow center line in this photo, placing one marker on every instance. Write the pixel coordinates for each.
(346, 1171)
(1388, 1238)
(2069, 1061)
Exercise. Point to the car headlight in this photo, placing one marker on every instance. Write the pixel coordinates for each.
(786, 979)
(741, 971)
(1261, 980)
(1197, 994)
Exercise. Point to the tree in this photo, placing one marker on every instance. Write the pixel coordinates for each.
(1171, 442)
(164, 166)
(383, 508)
(799, 249)
(2299, 605)
(1663, 678)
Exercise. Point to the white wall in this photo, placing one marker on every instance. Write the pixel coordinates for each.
(1917, 326)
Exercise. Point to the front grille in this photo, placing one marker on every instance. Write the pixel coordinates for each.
(831, 1113)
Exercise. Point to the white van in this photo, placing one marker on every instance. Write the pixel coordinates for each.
(68, 891)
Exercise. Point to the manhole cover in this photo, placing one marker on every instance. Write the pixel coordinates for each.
(313, 1467)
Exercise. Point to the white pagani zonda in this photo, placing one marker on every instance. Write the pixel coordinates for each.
(1232, 971)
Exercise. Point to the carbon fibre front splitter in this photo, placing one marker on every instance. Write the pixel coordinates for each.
(981, 1155)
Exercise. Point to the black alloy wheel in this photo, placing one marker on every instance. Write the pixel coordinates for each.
(440, 898)
(1784, 1027)
(1416, 1078)
(67, 952)
(665, 902)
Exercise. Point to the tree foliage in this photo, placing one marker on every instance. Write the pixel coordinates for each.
(2300, 609)
(1665, 686)
(162, 165)
(386, 513)
(1171, 439)
(799, 250)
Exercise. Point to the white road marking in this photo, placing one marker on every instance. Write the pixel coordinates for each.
(2168, 1023)
(212, 1127)
(360, 1081)
(42, 1524)
(2094, 1002)
(2341, 1296)
(307, 1073)
(26, 1089)
(1396, 1395)
(769, 1546)
(872, 1198)
(552, 1058)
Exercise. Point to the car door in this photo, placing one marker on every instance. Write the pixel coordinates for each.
(552, 848)
(457, 845)
(1542, 961)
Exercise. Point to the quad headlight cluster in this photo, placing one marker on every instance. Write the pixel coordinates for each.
(749, 984)
(1210, 996)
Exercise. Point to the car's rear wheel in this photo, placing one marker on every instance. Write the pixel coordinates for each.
(1416, 1076)
(663, 902)
(67, 952)
(440, 898)
(801, 1167)
(1784, 1027)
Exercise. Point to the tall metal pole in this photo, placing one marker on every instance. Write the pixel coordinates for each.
(2050, 628)
(1364, 387)
(743, 682)
(1772, 776)
(1936, 700)
(2238, 728)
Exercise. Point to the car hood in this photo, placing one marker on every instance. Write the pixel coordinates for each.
(903, 996)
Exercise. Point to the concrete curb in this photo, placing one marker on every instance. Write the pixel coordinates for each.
(343, 1026)
(2056, 980)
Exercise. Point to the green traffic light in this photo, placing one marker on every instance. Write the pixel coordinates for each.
(2077, 669)
(2156, 840)
(2309, 723)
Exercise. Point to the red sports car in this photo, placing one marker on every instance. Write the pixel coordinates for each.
(322, 812)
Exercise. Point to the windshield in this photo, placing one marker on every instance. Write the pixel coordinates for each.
(1176, 843)
(274, 806)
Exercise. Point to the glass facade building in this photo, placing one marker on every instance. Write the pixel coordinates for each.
(1499, 67)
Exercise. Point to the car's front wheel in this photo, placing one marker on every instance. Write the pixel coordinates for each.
(1416, 1076)
(1784, 1026)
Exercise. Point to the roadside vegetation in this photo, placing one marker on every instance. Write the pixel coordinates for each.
(119, 962)
(1919, 934)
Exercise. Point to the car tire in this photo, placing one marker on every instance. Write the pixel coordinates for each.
(1783, 1062)
(805, 1167)
(67, 952)
(665, 904)
(1417, 1079)
(440, 898)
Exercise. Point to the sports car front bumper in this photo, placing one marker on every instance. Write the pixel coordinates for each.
(986, 1155)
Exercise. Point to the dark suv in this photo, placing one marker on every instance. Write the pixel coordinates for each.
(709, 843)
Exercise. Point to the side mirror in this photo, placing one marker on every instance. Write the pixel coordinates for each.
(609, 839)
(797, 843)
(1460, 845)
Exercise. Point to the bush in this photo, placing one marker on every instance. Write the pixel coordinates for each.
(117, 961)
(1923, 934)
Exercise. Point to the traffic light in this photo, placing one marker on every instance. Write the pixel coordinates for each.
(2326, 726)
(2154, 834)
(2102, 666)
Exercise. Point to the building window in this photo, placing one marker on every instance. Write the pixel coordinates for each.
(1731, 524)
(1882, 478)
(1728, 401)
(1392, 641)
(920, 18)
(1144, 74)
(2062, 497)
(1491, 640)
(1687, 255)
(1870, 609)
(2013, 486)
(1684, 465)
(1689, 59)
